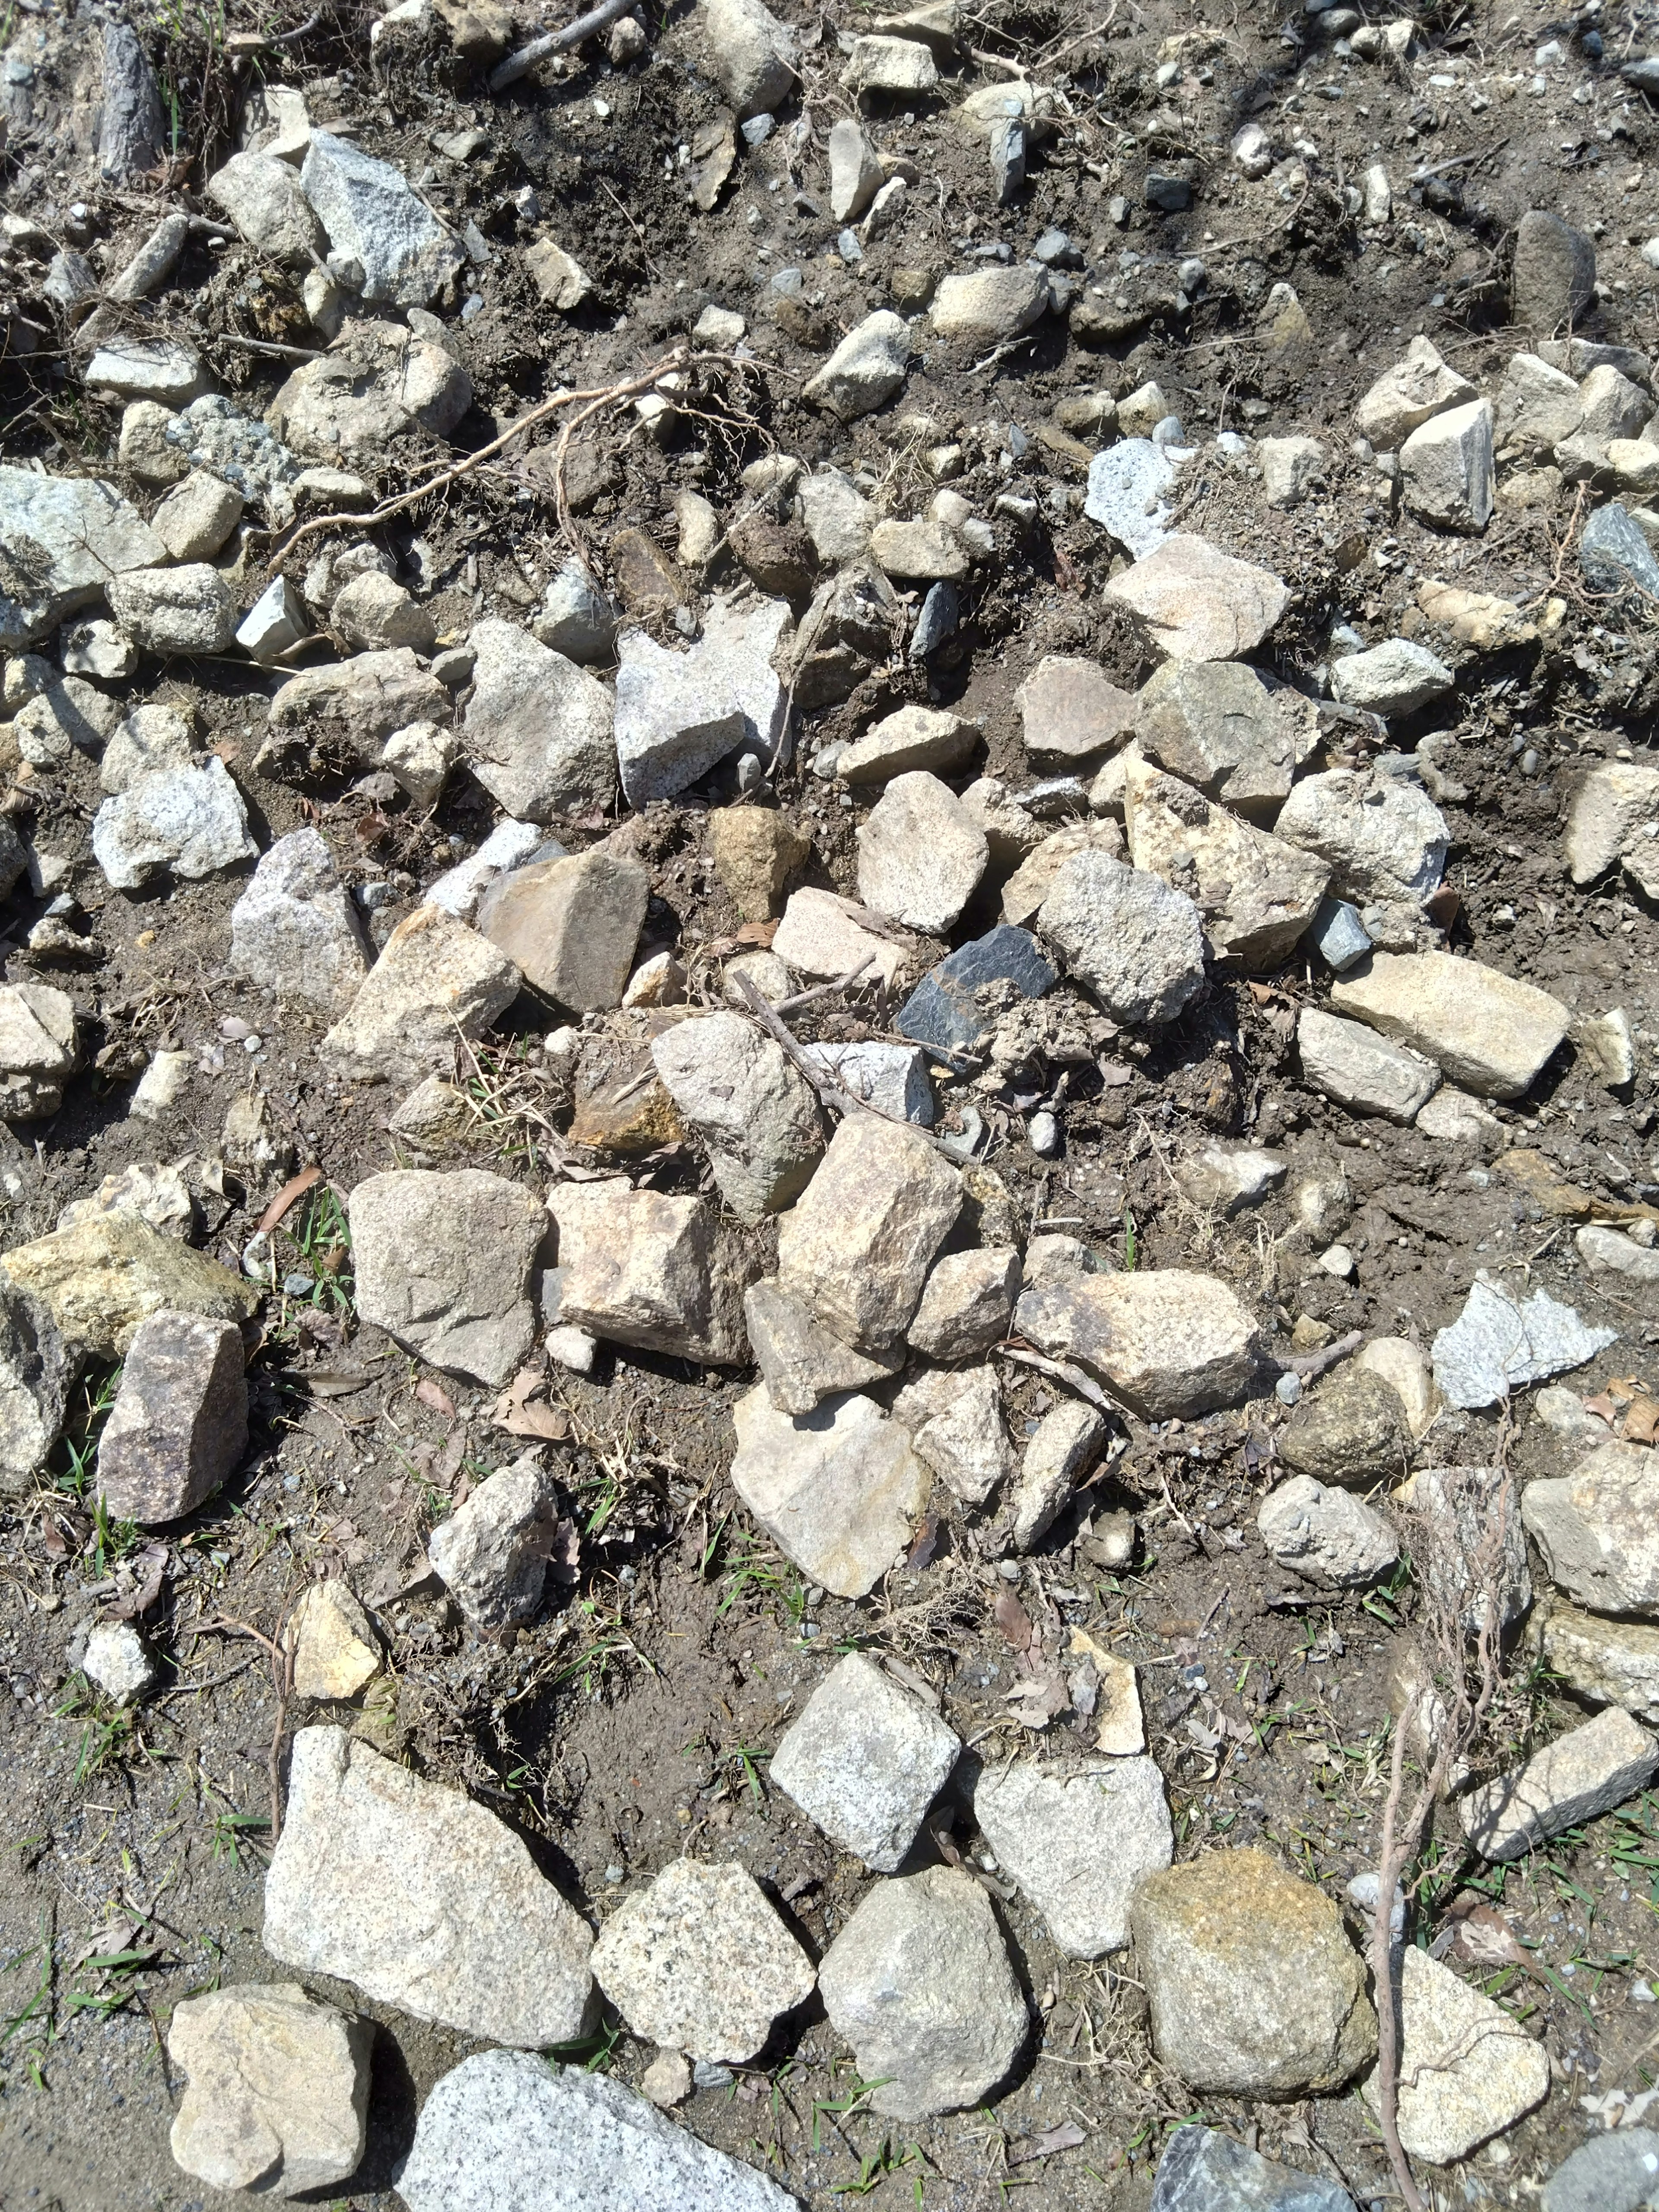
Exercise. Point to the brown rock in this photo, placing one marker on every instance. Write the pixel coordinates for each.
(756, 851)
(622, 1105)
(644, 578)
(1352, 1430)
(179, 1422)
(777, 557)
(570, 925)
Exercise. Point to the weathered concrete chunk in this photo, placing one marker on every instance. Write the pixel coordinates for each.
(1071, 711)
(1609, 1662)
(921, 854)
(839, 1490)
(570, 926)
(1078, 1841)
(443, 1263)
(65, 538)
(1326, 1534)
(864, 1760)
(1598, 1529)
(919, 1983)
(1135, 943)
(100, 1278)
(537, 728)
(946, 1010)
(801, 1362)
(1485, 1030)
(639, 1267)
(757, 1114)
(1215, 724)
(954, 1416)
(491, 1553)
(968, 1304)
(1610, 809)
(1467, 2068)
(276, 2095)
(699, 1961)
(375, 218)
(1361, 1071)
(178, 1425)
(190, 821)
(1256, 1989)
(857, 1246)
(422, 1898)
(336, 1650)
(1170, 1342)
(436, 978)
(295, 930)
(1256, 894)
(1352, 1430)
(1195, 604)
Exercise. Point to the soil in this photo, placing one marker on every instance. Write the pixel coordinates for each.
(634, 1719)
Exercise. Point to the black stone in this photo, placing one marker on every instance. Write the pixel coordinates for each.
(941, 1012)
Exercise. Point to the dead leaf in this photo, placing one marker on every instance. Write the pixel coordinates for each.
(1482, 1938)
(547, 1423)
(1040, 1695)
(921, 1550)
(150, 1566)
(294, 1188)
(434, 1396)
(1012, 1618)
(1067, 2135)
(757, 933)
(1642, 1421)
(334, 1382)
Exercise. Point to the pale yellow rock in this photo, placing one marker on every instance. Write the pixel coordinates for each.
(101, 1278)
(277, 2094)
(1468, 2070)
(1405, 1367)
(1120, 1724)
(1478, 619)
(336, 1650)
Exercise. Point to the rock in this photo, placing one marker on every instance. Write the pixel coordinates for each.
(1467, 2068)
(1451, 1116)
(1350, 1430)
(373, 219)
(491, 1553)
(945, 1010)
(538, 729)
(157, 1195)
(1126, 494)
(1326, 1534)
(1485, 1030)
(37, 1049)
(1382, 838)
(1349, 1064)
(1203, 2171)
(642, 1268)
(898, 67)
(1220, 1181)
(836, 516)
(178, 1425)
(1446, 468)
(420, 758)
(36, 1372)
(1476, 618)
(190, 820)
(174, 610)
(577, 619)
(864, 370)
(509, 845)
(1608, 810)
(1614, 408)
(157, 369)
(921, 551)
(967, 1304)
(679, 714)
(1070, 712)
(144, 453)
(1597, 1530)
(915, 738)
(1065, 1444)
(422, 1898)
(753, 55)
(1023, 893)
(1605, 1662)
(1078, 1841)
(1216, 725)
(159, 1087)
(1553, 280)
(1501, 1342)
(570, 925)
(955, 1421)
(100, 1278)
(1194, 604)
(919, 1983)
(1255, 1987)
(754, 850)
(855, 171)
(991, 305)
(98, 649)
(757, 1114)
(1257, 894)
(150, 738)
(294, 930)
(1467, 1518)
(1609, 2173)
(921, 854)
(1171, 1343)
(372, 613)
(349, 709)
(435, 980)
(263, 197)
(132, 138)
(1405, 1368)
(800, 1362)
(1405, 397)
(864, 1760)
(79, 534)
(667, 2080)
(1604, 1251)
(557, 275)
(1137, 945)
(277, 2098)
(1614, 555)
(60, 720)
(857, 1246)
(820, 935)
(336, 1650)
(698, 1960)
(118, 1661)
(839, 1489)
(375, 383)
(195, 518)
(1289, 467)
(443, 1264)
(504, 2128)
(1395, 678)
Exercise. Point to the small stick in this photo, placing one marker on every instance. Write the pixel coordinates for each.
(824, 990)
(829, 1092)
(1310, 1364)
(1072, 1377)
(556, 42)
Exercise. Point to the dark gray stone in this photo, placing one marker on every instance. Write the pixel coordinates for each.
(1338, 935)
(1204, 2170)
(1172, 194)
(1644, 75)
(130, 139)
(1609, 2173)
(941, 1012)
(1553, 280)
(179, 1422)
(941, 612)
(1613, 554)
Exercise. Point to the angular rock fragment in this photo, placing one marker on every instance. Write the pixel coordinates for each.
(1485, 1030)
(150, 738)
(435, 980)
(1446, 468)
(864, 1760)
(491, 1553)
(38, 1051)
(262, 196)
(190, 821)
(174, 610)
(1502, 1340)
(1215, 724)
(756, 851)
(1171, 1343)
(954, 1417)
(1404, 397)
(194, 521)
(36, 1372)
(822, 935)
(864, 370)
(1204, 2170)
(1467, 2068)
(642, 1268)
(1256, 893)
(800, 1361)
(913, 738)
(101, 1278)
(1065, 1445)
(1326, 1534)
(537, 728)
(336, 1650)
(276, 2095)
(1135, 943)
(1071, 712)
(374, 220)
(891, 1078)
(570, 926)
(1607, 1663)
(1221, 1181)
(990, 305)
(944, 1009)
(1383, 836)
(178, 1425)
(858, 1244)
(1361, 1071)
(66, 538)
(1610, 809)
(920, 854)
(1599, 1529)
(1195, 604)
(968, 1304)
(376, 382)
(679, 714)
(1032, 881)
(758, 1116)
(443, 1263)
(1078, 1840)
(348, 710)
(294, 930)
(839, 1490)
(752, 53)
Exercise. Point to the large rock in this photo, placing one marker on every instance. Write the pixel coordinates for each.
(1059, 1453)
(1215, 724)
(920, 854)
(864, 1760)
(1257, 894)
(757, 1114)
(639, 1267)
(1446, 468)
(1194, 604)
(857, 1246)
(422, 1898)
(435, 980)
(919, 1983)
(295, 930)
(263, 197)
(536, 728)
(752, 54)
(1360, 1070)
(1598, 1529)
(505, 2129)
(1502, 1340)
(1553, 277)
(570, 926)
(174, 610)
(699, 1961)
(346, 711)
(679, 714)
(1327, 1535)
(372, 218)
(1135, 943)
(1607, 1663)
(1171, 1343)
(839, 1490)
(1255, 1987)
(1381, 837)
(954, 1416)
(1353, 1430)
(1204, 2170)
(178, 1425)
(276, 2095)
(864, 370)
(443, 1263)
(491, 1553)
(38, 1049)
(36, 1370)
(63, 538)
(376, 383)
(1467, 2068)
(967, 1303)
(1404, 397)
(1070, 712)
(911, 738)
(100, 1277)
(1610, 809)
(1487, 1032)
(1078, 1841)
(192, 822)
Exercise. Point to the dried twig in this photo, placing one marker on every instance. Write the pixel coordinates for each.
(1072, 1377)
(1307, 1365)
(556, 42)
(279, 1650)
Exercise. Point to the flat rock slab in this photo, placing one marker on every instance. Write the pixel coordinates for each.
(1195, 604)
(277, 2098)
(1581, 1774)
(422, 1898)
(1499, 1342)
(864, 1761)
(1078, 1842)
(1467, 2069)
(1598, 1529)
(1170, 1342)
(839, 1490)
(1362, 1070)
(1483, 1030)
(178, 1425)
(506, 2131)
(68, 536)
(1203, 2171)
(443, 1263)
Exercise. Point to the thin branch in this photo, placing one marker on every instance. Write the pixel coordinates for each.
(1310, 1364)
(556, 42)
(1063, 1372)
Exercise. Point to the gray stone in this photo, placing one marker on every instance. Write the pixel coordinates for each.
(800, 1362)
(1467, 2068)
(372, 613)
(855, 171)
(1553, 280)
(373, 219)
(443, 1264)
(944, 1012)
(294, 930)
(1581, 1775)
(1070, 711)
(838, 1490)
(1501, 1342)
(503, 2129)
(1353, 1430)
(1446, 468)
(151, 738)
(64, 538)
(1136, 944)
(1339, 935)
(1289, 467)
(178, 1425)
(990, 305)
(1065, 1444)
(864, 1760)
(577, 619)
(191, 821)
(276, 2095)
(891, 1078)
(1469, 1517)
(679, 714)
(558, 276)
(1609, 2173)
(36, 1372)
(1023, 893)
(1257, 894)
(752, 54)
(857, 1246)
(1360, 1071)
(699, 1961)
(1078, 1840)
(1171, 1343)
(97, 649)
(1539, 408)
(1405, 397)
(37, 1049)
(1485, 1031)
(968, 1304)
(161, 369)
(174, 610)
(1215, 724)
(537, 728)
(132, 136)
(912, 738)
(1598, 1529)
(491, 1553)
(1194, 604)
(1127, 486)
(836, 515)
(143, 450)
(61, 719)
(1605, 1251)
(509, 846)
(435, 980)
(920, 854)
(642, 1268)
(1607, 1663)
(864, 370)
(822, 935)
(919, 551)
(954, 1416)
(262, 196)
(197, 516)
(118, 1660)
(422, 1898)
(1393, 678)
(1219, 1181)
(1203, 2171)
(1613, 554)
(570, 925)
(376, 382)
(213, 434)
(1326, 1534)
(757, 1114)
(919, 1983)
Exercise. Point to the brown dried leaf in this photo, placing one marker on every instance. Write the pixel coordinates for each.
(564, 1560)
(434, 1396)
(150, 1566)
(1012, 1618)
(548, 1422)
(1642, 1421)
(1066, 2136)
(293, 1189)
